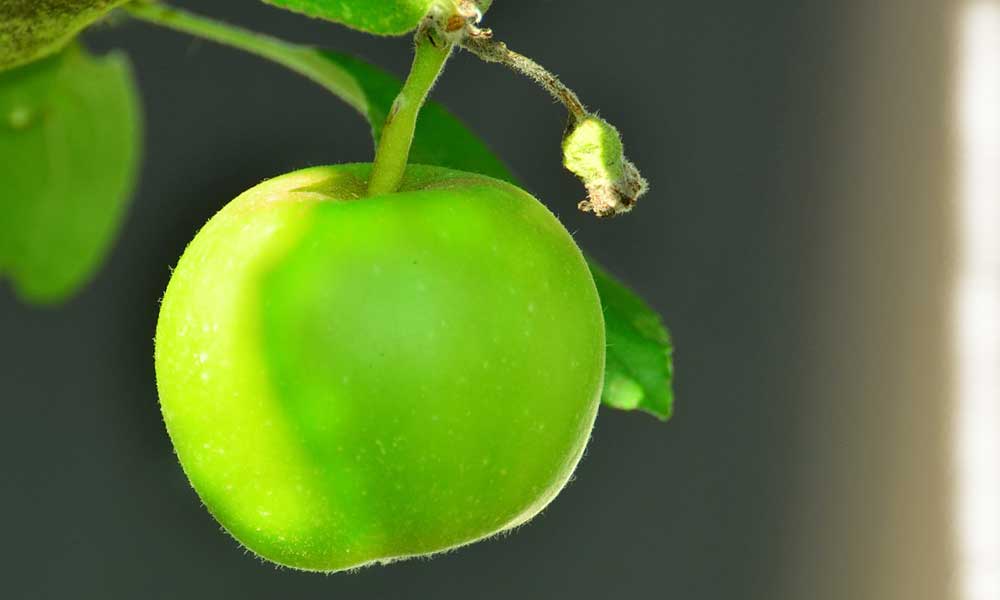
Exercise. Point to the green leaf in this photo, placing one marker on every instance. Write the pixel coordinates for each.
(69, 147)
(381, 17)
(639, 367)
(638, 371)
(33, 29)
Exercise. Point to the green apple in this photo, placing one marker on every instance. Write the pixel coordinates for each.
(350, 379)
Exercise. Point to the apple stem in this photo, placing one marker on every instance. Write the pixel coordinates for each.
(393, 151)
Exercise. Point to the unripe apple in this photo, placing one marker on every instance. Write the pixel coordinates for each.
(351, 379)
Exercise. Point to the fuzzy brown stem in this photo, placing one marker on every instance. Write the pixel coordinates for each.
(492, 50)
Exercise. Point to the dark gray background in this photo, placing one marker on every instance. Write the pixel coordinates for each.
(733, 110)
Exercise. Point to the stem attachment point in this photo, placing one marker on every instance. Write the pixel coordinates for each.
(447, 23)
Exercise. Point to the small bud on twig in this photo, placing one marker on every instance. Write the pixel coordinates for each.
(592, 148)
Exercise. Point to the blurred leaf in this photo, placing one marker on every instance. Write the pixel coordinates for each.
(33, 29)
(69, 146)
(638, 371)
(639, 368)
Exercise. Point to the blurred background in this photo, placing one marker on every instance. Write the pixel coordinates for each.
(819, 238)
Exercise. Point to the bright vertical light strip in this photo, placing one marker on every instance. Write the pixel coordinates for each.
(977, 305)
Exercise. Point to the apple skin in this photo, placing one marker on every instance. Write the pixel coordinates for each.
(351, 379)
